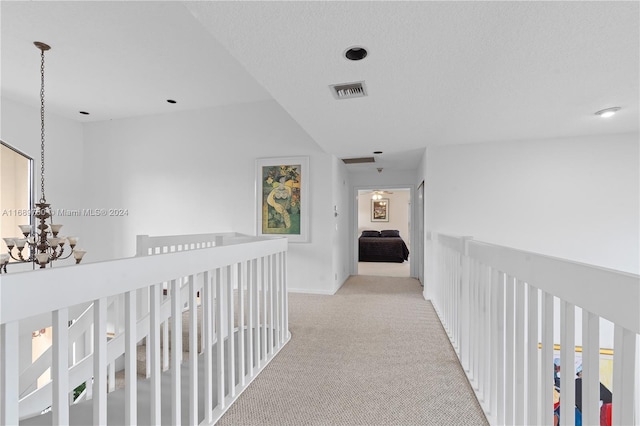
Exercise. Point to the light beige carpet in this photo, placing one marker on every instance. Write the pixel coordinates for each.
(373, 354)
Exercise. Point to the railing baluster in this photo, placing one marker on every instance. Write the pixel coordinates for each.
(176, 352)
(242, 277)
(493, 342)
(285, 295)
(271, 324)
(590, 368)
(482, 346)
(464, 311)
(207, 343)
(130, 360)
(520, 353)
(500, 349)
(220, 338)
(60, 367)
(546, 375)
(251, 283)
(193, 352)
(532, 356)
(258, 282)
(509, 350)
(144, 298)
(100, 361)
(624, 365)
(486, 334)
(567, 361)
(154, 358)
(265, 283)
(9, 379)
(230, 279)
(473, 304)
(165, 344)
(276, 299)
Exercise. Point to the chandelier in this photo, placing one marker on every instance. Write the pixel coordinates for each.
(41, 246)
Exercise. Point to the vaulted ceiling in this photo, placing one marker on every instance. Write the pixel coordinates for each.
(436, 72)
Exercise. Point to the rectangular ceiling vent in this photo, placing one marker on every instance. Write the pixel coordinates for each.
(359, 160)
(349, 90)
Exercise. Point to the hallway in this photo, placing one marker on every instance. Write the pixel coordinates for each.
(373, 354)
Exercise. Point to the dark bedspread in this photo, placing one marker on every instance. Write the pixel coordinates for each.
(382, 249)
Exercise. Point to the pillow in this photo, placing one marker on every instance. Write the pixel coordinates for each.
(390, 233)
(370, 233)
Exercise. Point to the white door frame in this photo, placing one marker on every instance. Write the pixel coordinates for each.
(413, 266)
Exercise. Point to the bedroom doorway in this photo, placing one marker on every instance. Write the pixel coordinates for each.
(388, 210)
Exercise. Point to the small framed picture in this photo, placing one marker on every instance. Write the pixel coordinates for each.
(380, 210)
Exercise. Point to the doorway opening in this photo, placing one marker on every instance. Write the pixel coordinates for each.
(384, 232)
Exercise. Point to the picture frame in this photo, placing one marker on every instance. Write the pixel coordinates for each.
(282, 198)
(380, 210)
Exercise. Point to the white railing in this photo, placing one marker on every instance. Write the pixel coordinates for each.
(497, 306)
(238, 282)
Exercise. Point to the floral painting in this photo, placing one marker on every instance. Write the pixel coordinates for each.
(281, 191)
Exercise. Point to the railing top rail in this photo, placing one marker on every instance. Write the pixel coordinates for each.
(453, 241)
(154, 240)
(611, 294)
(50, 289)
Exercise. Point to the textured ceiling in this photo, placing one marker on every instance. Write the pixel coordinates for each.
(436, 73)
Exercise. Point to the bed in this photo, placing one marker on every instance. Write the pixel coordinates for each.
(382, 246)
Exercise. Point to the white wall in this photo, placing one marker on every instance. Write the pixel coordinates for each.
(194, 172)
(399, 207)
(341, 237)
(571, 198)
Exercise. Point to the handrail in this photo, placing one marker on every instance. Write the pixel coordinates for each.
(578, 283)
(502, 309)
(235, 272)
(112, 277)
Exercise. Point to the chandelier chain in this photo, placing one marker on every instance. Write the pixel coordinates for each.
(42, 198)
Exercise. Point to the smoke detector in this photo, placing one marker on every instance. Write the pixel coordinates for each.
(349, 90)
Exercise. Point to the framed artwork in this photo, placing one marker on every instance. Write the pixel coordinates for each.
(380, 210)
(283, 197)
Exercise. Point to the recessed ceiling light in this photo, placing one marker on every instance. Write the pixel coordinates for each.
(608, 112)
(171, 101)
(377, 152)
(84, 112)
(355, 53)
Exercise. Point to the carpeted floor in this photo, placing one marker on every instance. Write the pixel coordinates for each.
(373, 354)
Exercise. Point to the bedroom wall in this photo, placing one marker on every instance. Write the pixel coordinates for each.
(575, 198)
(194, 172)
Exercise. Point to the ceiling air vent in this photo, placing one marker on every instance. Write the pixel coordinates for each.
(359, 160)
(349, 90)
